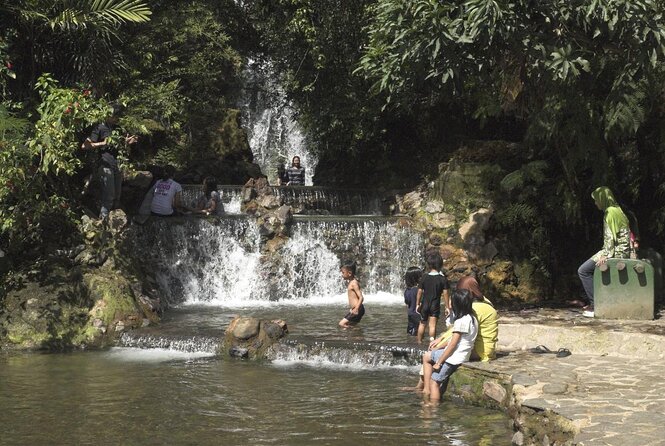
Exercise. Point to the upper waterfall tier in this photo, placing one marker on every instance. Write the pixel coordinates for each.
(303, 199)
(219, 261)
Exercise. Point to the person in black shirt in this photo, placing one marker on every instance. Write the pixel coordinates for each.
(411, 278)
(108, 172)
(432, 286)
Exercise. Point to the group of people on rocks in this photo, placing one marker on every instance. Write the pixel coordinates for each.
(471, 320)
(166, 194)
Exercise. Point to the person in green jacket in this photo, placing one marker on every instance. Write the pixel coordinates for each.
(616, 241)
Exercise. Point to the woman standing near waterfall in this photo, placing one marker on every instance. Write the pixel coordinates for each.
(295, 173)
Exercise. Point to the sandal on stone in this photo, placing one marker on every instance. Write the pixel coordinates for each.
(540, 349)
(563, 352)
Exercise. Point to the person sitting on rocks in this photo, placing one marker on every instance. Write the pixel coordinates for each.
(616, 241)
(444, 358)
(211, 202)
(295, 173)
(167, 196)
(484, 348)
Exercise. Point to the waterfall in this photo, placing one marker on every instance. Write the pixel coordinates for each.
(271, 122)
(201, 260)
(218, 261)
(188, 344)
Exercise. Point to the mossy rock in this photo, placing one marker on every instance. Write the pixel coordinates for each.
(114, 310)
(45, 312)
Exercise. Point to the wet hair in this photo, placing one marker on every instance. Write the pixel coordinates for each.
(462, 301)
(412, 276)
(349, 265)
(209, 185)
(434, 261)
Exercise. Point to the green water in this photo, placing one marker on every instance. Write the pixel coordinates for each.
(140, 397)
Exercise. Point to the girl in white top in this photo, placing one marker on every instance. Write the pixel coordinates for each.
(440, 363)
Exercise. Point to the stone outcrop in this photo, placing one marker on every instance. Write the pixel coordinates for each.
(456, 211)
(272, 216)
(85, 296)
(250, 338)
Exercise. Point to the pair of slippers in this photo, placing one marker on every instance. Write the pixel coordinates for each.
(561, 353)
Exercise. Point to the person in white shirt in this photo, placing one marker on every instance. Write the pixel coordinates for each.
(441, 362)
(167, 196)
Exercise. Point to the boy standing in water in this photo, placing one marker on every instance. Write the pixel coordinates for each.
(357, 309)
(432, 286)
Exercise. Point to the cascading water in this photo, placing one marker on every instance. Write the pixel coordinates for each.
(199, 261)
(217, 261)
(303, 200)
(275, 136)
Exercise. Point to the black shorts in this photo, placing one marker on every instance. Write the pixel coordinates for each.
(355, 318)
(430, 309)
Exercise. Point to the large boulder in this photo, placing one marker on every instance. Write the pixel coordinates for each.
(248, 337)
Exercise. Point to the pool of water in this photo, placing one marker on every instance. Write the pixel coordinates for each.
(133, 396)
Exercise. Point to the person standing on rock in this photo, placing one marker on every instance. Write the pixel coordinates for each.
(357, 309)
(295, 173)
(616, 241)
(108, 172)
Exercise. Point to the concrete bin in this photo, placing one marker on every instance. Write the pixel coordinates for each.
(624, 289)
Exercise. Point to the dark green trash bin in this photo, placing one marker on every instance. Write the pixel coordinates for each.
(624, 290)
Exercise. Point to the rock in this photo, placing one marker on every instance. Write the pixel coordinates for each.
(117, 221)
(248, 193)
(120, 326)
(246, 328)
(284, 214)
(247, 337)
(238, 352)
(88, 257)
(433, 207)
(474, 230)
(269, 201)
(137, 179)
(435, 240)
(518, 439)
(442, 220)
(495, 391)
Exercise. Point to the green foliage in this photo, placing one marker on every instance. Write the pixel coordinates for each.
(75, 40)
(36, 161)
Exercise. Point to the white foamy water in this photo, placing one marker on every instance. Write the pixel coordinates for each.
(335, 300)
(131, 354)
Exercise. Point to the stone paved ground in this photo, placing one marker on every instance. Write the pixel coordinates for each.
(613, 394)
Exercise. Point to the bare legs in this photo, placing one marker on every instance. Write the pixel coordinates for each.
(431, 325)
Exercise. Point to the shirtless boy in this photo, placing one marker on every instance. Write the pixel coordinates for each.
(357, 309)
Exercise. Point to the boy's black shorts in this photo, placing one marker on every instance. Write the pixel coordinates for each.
(430, 309)
(355, 318)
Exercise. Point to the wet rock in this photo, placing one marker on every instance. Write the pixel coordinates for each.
(251, 338)
(117, 221)
(442, 220)
(269, 201)
(284, 214)
(433, 207)
(246, 328)
(495, 391)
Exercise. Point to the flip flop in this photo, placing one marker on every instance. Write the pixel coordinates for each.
(563, 352)
(540, 349)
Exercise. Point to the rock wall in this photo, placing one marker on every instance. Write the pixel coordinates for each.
(456, 211)
(82, 297)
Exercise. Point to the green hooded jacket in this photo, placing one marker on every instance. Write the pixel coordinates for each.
(616, 230)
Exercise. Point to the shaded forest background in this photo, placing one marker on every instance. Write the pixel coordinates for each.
(386, 91)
